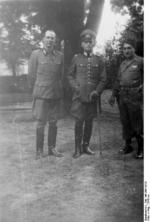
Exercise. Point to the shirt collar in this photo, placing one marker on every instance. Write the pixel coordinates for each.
(88, 54)
(47, 53)
(127, 60)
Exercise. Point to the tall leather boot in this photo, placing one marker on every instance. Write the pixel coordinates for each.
(139, 154)
(127, 148)
(39, 142)
(52, 133)
(87, 136)
(78, 138)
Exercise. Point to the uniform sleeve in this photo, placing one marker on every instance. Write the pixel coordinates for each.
(32, 68)
(62, 68)
(72, 74)
(102, 81)
(141, 87)
(142, 70)
(116, 86)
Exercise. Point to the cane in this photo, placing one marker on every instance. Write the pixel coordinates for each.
(98, 124)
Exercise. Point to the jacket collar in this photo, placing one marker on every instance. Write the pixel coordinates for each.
(88, 54)
(45, 52)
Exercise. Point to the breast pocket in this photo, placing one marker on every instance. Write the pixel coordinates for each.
(95, 70)
(56, 66)
(81, 68)
(49, 67)
(133, 69)
(43, 67)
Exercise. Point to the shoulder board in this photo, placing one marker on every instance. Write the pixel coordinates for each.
(139, 58)
(58, 52)
(35, 52)
(77, 55)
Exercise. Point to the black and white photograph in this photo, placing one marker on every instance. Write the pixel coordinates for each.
(72, 111)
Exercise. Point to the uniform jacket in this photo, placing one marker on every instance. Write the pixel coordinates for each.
(129, 86)
(85, 75)
(45, 70)
(130, 74)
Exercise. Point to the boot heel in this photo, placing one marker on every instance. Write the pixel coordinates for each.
(76, 154)
(54, 152)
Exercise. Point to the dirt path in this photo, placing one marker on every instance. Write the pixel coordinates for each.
(90, 189)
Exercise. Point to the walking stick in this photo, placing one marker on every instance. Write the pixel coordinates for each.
(62, 45)
(98, 124)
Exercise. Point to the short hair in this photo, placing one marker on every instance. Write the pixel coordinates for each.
(48, 30)
(131, 42)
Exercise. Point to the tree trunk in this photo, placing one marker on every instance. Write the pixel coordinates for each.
(14, 79)
(14, 70)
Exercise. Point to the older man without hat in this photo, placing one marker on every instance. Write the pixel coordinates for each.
(45, 69)
(129, 86)
(87, 79)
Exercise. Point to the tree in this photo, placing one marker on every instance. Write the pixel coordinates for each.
(23, 21)
(14, 42)
(64, 17)
(134, 28)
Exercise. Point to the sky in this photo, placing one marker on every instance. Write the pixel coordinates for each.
(111, 24)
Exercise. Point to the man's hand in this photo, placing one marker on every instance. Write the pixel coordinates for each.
(140, 88)
(93, 95)
(111, 100)
(76, 89)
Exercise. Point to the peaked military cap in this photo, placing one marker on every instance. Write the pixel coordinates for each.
(87, 34)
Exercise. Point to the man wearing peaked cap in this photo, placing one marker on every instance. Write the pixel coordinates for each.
(88, 33)
(87, 79)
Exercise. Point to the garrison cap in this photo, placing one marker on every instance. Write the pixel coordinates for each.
(129, 41)
(87, 34)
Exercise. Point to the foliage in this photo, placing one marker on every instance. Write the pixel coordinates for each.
(134, 28)
(13, 42)
(23, 21)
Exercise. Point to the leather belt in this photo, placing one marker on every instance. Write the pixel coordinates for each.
(128, 87)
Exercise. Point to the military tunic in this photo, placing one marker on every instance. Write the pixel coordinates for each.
(86, 73)
(129, 85)
(45, 72)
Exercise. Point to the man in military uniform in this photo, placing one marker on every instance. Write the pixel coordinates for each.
(87, 79)
(45, 69)
(129, 86)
